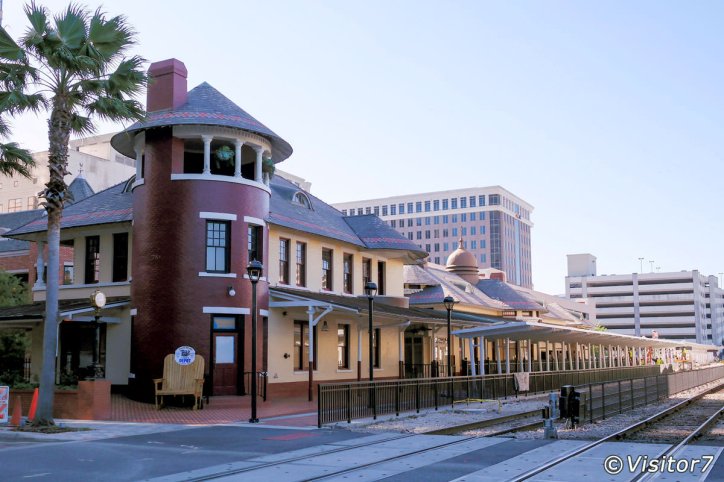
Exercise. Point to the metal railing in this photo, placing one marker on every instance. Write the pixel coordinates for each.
(338, 402)
(614, 397)
(261, 384)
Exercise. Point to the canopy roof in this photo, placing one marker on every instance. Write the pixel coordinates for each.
(534, 331)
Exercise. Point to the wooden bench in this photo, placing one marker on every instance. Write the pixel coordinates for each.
(180, 380)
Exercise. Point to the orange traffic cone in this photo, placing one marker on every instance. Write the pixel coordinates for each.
(33, 406)
(17, 417)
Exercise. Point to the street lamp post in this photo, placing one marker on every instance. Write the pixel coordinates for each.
(371, 291)
(98, 300)
(449, 303)
(254, 270)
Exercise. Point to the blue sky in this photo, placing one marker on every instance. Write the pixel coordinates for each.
(605, 116)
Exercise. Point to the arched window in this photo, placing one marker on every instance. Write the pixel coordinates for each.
(301, 199)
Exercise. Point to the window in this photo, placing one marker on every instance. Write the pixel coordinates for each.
(380, 277)
(455, 232)
(445, 218)
(68, 273)
(344, 212)
(347, 272)
(454, 218)
(393, 223)
(472, 216)
(393, 209)
(409, 222)
(445, 233)
(418, 235)
(368, 210)
(418, 221)
(120, 257)
(464, 217)
(437, 247)
(401, 208)
(254, 237)
(327, 269)
(481, 200)
(92, 259)
(15, 205)
(445, 247)
(32, 202)
(482, 229)
(472, 201)
(217, 246)
(473, 244)
(409, 235)
(436, 220)
(427, 248)
(427, 220)
(384, 210)
(418, 206)
(463, 203)
(301, 264)
(376, 341)
(482, 243)
(436, 205)
(343, 347)
(494, 199)
(360, 211)
(427, 206)
(302, 200)
(366, 270)
(482, 215)
(410, 208)
(376, 210)
(436, 233)
(284, 261)
(444, 204)
(427, 234)
(301, 346)
(454, 203)
(472, 230)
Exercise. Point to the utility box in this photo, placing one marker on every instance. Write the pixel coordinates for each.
(566, 391)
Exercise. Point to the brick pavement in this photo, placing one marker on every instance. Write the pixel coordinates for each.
(293, 412)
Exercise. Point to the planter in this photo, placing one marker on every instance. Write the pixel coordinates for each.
(91, 401)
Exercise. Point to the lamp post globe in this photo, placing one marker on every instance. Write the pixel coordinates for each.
(371, 291)
(98, 300)
(254, 270)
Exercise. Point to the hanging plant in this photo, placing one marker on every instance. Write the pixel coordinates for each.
(225, 154)
(267, 167)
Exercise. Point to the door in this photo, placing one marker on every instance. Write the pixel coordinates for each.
(225, 363)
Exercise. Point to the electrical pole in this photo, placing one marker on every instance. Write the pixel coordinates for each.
(641, 261)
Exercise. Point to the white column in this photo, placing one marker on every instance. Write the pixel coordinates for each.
(237, 157)
(207, 153)
(540, 357)
(401, 347)
(519, 351)
(257, 164)
(471, 345)
(601, 356)
(555, 355)
(563, 354)
(40, 267)
(359, 348)
(481, 342)
(310, 312)
(507, 355)
(578, 355)
(548, 356)
(610, 358)
(497, 356)
(530, 356)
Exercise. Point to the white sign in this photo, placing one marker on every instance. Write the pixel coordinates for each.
(4, 402)
(185, 355)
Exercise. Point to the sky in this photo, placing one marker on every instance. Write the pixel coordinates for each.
(605, 116)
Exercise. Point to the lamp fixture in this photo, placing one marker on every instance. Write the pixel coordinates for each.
(370, 289)
(231, 291)
(254, 270)
(324, 326)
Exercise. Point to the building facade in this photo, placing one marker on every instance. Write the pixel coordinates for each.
(92, 157)
(494, 223)
(684, 305)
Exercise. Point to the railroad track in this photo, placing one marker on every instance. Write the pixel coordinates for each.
(706, 413)
(504, 420)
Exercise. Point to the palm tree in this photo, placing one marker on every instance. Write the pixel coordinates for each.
(74, 66)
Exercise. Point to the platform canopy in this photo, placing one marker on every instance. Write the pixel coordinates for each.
(534, 331)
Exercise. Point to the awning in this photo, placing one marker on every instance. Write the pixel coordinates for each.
(70, 310)
(521, 330)
(289, 298)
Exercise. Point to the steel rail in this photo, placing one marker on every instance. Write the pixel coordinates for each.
(621, 434)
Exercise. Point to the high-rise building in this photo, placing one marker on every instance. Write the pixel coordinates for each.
(493, 223)
(682, 305)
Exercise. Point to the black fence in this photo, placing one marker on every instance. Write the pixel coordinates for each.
(614, 397)
(261, 384)
(338, 402)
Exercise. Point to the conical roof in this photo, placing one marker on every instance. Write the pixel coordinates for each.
(204, 106)
(80, 189)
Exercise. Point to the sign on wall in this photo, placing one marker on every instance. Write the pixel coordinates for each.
(185, 355)
(4, 403)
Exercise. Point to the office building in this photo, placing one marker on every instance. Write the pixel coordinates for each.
(684, 305)
(493, 223)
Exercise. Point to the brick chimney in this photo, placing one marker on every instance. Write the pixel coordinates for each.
(166, 85)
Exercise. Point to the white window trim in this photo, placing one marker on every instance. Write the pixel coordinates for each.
(219, 216)
(264, 312)
(254, 221)
(217, 275)
(134, 311)
(225, 310)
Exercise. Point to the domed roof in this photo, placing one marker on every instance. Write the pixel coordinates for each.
(461, 258)
(463, 263)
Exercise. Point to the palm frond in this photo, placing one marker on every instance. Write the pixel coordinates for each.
(9, 50)
(71, 27)
(38, 18)
(128, 78)
(15, 102)
(81, 125)
(15, 160)
(116, 109)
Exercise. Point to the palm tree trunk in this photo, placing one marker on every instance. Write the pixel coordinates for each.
(44, 414)
(55, 193)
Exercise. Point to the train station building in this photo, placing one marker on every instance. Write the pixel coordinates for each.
(170, 249)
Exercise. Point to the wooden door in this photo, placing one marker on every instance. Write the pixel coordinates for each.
(225, 363)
